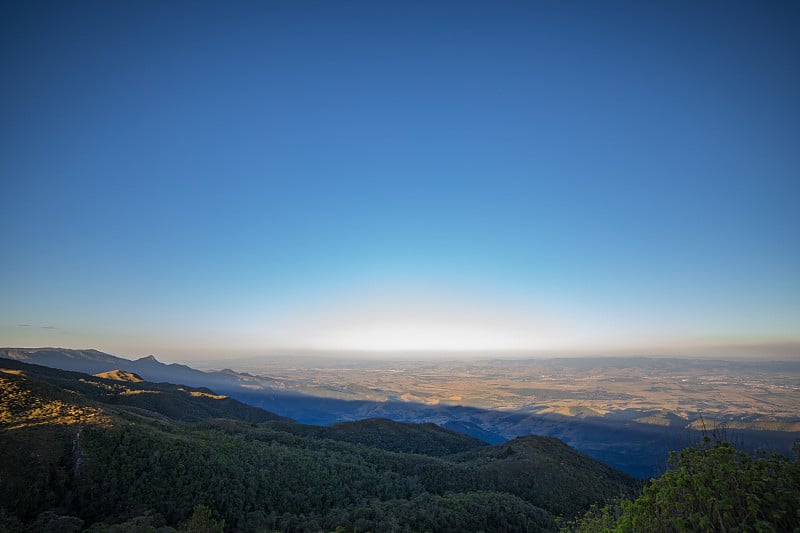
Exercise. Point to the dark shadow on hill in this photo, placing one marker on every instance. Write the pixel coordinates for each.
(638, 449)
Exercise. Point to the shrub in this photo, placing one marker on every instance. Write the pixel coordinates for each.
(709, 487)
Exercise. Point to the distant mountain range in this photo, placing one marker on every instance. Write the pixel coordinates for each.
(639, 449)
(149, 368)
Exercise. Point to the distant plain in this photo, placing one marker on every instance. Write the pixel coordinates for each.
(660, 391)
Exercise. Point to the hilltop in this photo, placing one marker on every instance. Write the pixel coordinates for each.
(120, 375)
(103, 450)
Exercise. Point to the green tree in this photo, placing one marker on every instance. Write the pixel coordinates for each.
(710, 487)
(202, 522)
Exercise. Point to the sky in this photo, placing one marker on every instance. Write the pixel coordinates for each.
(211, 179)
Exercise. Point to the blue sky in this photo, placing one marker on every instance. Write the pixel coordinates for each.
(215, 178)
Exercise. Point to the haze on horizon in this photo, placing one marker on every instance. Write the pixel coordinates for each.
(210, 180)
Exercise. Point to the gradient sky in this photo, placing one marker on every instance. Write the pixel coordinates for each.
(216, 178)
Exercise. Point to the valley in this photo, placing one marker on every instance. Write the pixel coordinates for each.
(659, 391)
(627, 412)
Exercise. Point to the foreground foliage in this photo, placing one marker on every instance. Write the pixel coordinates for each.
(709, 487)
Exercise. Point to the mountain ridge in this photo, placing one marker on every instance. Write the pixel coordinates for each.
(637, 442)
(116, 454)
(148, 367)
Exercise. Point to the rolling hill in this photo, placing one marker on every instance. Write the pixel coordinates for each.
(96, 450)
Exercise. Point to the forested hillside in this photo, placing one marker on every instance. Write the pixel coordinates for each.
(90, 451)
(426, 439)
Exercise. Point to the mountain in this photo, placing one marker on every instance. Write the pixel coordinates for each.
(159, 400)
(82, 450)
(637, 442)
(149, 368)
(88, 361)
